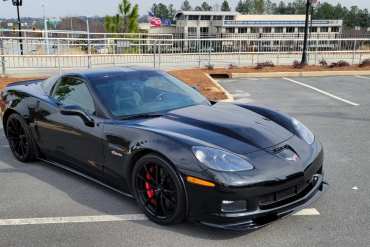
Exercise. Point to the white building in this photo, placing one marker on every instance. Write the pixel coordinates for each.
(232, 25)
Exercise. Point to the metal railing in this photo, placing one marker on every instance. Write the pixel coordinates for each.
(258, 35)
(146, 50)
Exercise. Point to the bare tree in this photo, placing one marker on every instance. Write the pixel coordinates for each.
(216, 7)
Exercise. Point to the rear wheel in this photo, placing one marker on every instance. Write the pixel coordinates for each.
(20, 139)
(158, 190)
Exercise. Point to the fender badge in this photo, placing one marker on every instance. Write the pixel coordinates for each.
(292, 158)
(115, 153)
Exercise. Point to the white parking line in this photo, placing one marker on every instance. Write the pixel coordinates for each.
(76, 219)
(307, 211)
(363, 77)
(323, 92)
(102, 218)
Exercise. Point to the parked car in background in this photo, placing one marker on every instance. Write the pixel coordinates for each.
(208, 49)
(101, 49)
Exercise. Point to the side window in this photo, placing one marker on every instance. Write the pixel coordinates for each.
(72, 91)
(48, 84)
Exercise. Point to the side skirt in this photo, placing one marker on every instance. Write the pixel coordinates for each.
(85, 176)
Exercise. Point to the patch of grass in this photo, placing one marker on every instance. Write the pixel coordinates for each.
(323, 62)
(209, 67)
(339, 64)
(233, 66)
(297, 65)
(364, 63)
(261, 65)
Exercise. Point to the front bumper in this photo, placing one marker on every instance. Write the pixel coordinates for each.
(261, 218)
(205, 202)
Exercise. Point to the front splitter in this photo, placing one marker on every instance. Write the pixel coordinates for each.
(252, 224)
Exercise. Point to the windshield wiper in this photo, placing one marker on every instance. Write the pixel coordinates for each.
(141, 116)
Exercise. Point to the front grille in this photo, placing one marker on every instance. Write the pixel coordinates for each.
(286, 196)
(281, 195)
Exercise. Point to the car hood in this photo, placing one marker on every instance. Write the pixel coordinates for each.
(226, 125)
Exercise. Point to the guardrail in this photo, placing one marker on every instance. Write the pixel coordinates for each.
(145, 50)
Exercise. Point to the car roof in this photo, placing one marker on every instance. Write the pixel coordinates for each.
(90, 74)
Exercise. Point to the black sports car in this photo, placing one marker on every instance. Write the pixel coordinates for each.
(146, 134)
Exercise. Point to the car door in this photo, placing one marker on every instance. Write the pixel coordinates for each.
(67, 137)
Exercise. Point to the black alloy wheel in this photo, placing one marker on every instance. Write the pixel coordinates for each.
(20, 139)
(158, 190)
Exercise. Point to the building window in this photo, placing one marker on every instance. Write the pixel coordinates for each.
(229, 17)
(267, 30)
(301, 30)
(230, 30)
(290, 30)
(278, 30)
(193, 17)
(204, 30)
(217, 17)
(218, 29)
(324, 29)
(180, 17)
(276, 42)
(313, 30)
(254, 30)
(243, 30)
(335, 29)
(205, 17)
(323, 42)
(192, 30)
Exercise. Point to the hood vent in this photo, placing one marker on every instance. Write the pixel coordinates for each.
(279, 149)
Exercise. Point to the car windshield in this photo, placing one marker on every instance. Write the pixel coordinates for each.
(144, 93)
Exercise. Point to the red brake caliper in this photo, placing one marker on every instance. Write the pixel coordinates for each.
(147, 186)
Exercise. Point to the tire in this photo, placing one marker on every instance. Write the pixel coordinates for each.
(163, 202)
(20, 139)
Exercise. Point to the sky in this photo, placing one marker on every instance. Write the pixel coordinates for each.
(56, 8)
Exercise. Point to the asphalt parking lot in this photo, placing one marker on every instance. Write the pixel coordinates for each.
(337, 111)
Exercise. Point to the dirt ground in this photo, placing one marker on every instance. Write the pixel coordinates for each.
(6, 81)
(197, 77)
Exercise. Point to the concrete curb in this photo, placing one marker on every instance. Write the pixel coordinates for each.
(230, 98)
(265, 75)
(300, 74)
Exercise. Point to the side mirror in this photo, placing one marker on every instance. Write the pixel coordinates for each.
(195, 88)
(75, 110)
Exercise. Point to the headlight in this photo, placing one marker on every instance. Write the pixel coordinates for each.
(303, 131)
(219, 160)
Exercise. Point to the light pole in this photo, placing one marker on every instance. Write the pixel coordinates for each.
(88, 34)
(19, 3)
(304, 55)
(46, 30)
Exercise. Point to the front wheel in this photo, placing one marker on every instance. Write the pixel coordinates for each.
(158, 190)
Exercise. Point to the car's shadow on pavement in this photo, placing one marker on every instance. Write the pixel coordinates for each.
(90, 197)
(106, 201)
(198, 231)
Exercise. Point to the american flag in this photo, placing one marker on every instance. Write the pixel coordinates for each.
(154, 20)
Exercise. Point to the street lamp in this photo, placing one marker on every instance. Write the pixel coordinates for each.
(46, 30)
(304, 55)
(84, 19)
(19, 3)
